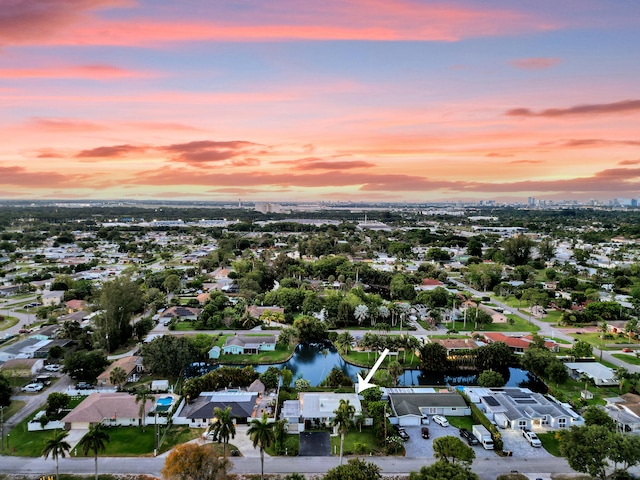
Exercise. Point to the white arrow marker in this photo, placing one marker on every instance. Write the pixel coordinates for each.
(364, 384)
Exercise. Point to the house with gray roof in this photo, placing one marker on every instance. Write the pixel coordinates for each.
(598, 373)
(519, 408)
(199, 413)
(413, 408)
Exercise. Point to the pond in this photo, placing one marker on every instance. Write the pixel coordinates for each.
(314, 362)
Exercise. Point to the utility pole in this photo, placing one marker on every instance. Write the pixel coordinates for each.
(2, 425)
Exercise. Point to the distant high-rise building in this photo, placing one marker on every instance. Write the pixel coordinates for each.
(531, 201)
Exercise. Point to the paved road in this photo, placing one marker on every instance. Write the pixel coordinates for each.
(486, 466)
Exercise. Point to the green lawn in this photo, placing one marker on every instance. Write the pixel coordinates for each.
(627, 358)
(550, 443)
(461, 422)
(519, 325)
(281, 354)
(356, 437)
(8, 322)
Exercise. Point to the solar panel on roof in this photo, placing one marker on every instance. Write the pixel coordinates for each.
(491, 401)
(526, 401)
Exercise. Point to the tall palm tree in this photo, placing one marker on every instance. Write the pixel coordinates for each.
(223, 426)
(142, 397)
(94, 441)
(343, 342)
(343, 421)
(395, 370)
(56, 446)
(261, 434)
(118, 377)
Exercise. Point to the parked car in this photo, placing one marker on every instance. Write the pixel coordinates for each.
(440, 420)
(627, 350)
(402, 433)
(84, 386)
(532, 438)
(54, 367)
(425, 432)
(32, 387)
(468, 436)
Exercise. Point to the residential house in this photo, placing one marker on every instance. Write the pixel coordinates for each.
(112, 409)
(519, 408)
(625, 411)
(180, 312)
(249, 344)
(257, 311)
(594, 371)
(76, 305)
(456, 344)
(320, 407)
(199, 413)
(214, 353)
(412, 407)
(52, 297)
(131, 365)
(429, 284)
(518, 344)
(22, 367)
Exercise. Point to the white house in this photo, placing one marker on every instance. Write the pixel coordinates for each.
(413, 408)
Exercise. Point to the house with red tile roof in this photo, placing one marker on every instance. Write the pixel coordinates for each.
(517, 344)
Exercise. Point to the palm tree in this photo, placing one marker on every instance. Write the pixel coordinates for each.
(343, 421)
(261, 434)
(118, 377)
(56, 446)
(223, 426)
(361, 312)
(343, 342)
(395, 370)
(142, 397)
(94, 441)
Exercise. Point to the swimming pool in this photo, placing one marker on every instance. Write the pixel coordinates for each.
(164, 401)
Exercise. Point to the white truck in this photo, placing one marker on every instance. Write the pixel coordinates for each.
(484, 436)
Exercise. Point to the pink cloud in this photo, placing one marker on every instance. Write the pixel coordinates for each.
(206, 151)
(19, 176)
(622, 107)
(629, 162)
(76, 23)
(63, 125)
(539, 63)
(110, 152)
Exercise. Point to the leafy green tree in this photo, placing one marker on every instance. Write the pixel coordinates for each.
(287, 377)
(261, 434)
(546, 249)
(355, 469)
(119, 300)
(86, 366)
(343, 421)
(94, 441)
(5, 391)
(581, 349)
(452, 449)
(56, 446)
(490, 379)
(594, 415)
(171, 283)
(433, 357)
(496, 356)
(373, 394)
(223, 426)
(343, 342)
(443, 470)
(56, 401)
(310, 329)
(556, 371)
(168, 355)
(587, 448)
(517, 250)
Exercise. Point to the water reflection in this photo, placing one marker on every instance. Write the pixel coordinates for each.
(314, 362)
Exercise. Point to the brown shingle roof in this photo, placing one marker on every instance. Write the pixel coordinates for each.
(98, 406)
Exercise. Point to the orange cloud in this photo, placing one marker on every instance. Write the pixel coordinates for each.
(625, 106)
(63, 125)
(198, 152)
(629, 162)
(19, 176)
(92, 72)
(539, 63)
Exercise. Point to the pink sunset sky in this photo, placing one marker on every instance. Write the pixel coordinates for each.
(283, 100)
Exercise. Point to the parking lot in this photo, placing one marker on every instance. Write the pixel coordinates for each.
(513, 441)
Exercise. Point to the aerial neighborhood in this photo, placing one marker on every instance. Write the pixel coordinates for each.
(441, 335)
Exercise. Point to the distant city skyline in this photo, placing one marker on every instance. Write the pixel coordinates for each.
(350, 100)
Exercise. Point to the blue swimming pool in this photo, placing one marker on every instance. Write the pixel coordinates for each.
(164, 401)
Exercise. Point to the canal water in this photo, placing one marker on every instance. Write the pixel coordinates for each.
(314, 362)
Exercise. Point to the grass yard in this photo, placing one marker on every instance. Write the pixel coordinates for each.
(280, 354)
(461, 422)
(519, 325)
(367, 441)
(550, 443)
(8, 322)
(633, 360)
